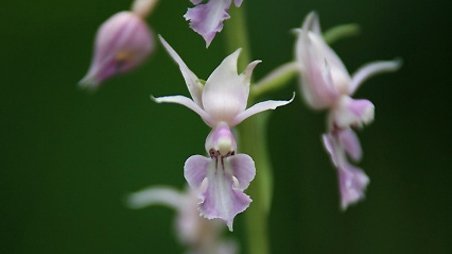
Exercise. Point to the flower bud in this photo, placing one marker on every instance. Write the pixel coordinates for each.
(122, 43)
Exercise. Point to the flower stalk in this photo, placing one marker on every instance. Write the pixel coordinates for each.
(252, 136)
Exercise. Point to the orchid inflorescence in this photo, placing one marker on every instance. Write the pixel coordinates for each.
(217, 181)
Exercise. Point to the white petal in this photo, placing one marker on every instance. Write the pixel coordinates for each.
(370, 70)
(155, 195)
(260, 107)
(226, 92)
(324, 76)
(179, 99)
(193, 83)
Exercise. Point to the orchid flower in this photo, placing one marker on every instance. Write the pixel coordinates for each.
(207, 18)
(200, 235)
(326, 84)
(221, 102)
(122, 43)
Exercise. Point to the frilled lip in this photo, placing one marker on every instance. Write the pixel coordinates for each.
(207, 19)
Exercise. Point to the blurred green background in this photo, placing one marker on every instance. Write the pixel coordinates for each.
(68, 158)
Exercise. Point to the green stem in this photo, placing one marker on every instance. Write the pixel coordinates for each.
(276, 79)
(252, 141)
(340, 32)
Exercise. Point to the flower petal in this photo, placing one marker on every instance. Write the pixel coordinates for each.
(370, 70)
(195, 170)
(226, 92)
(259, 107)
(330, 147)
(350, 142)
(350, 112)
(122, 43)
(207, 19)
(156, 195)
(324, 76)
(194, 85)
(179, 99)
(352, 180)
(221, 200)
(352, 184)
(243, 169)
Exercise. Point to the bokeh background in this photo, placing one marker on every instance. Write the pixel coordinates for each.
(69, 158)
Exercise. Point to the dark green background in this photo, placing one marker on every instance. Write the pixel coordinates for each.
(69, 158)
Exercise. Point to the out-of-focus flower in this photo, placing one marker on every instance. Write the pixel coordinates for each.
(326, 84)
(221, 178)
(122, 43)
(200, 235)
(224, 95)
(207, 18)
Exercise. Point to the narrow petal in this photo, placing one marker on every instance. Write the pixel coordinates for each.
(248, 72)
(352, 185)
(259, 107)
(243, 169)
(370, 70)
(330, 146)
(350, 112)
(156, 195)
(226, 92)
(350, 142)
(312, 23)
(193, 83)
(195, 170)
(179, 99)
(221, 200)
(207, 19)
(122, 43)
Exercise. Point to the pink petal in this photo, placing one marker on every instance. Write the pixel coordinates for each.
(350, 142)
(243, 169)
(370, 70)
(179, 99)
(352, 185)
(259, 107)
(350, 112)
(221, 200)
(122, 43)
(195, 170)
(194, 85)
(207, 19)
(220, 197)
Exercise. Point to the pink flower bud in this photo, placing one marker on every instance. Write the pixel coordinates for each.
(122, 43)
